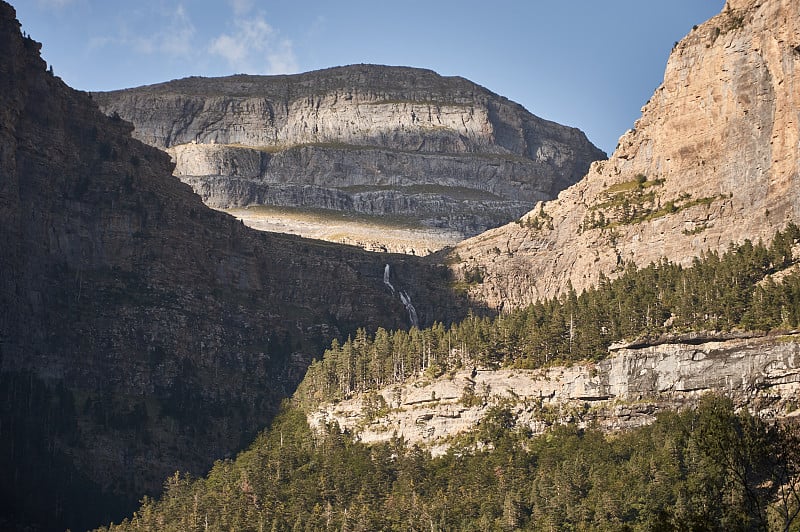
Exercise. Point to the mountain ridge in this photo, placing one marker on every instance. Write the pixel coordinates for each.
(357, 139)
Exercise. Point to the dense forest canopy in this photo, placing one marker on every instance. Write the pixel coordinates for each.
(708, 468)
(719, 292)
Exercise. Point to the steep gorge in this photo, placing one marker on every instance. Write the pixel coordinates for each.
(714, 159)
(141, 332)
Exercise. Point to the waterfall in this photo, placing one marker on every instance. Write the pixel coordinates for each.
(405, 299)
(412, 312)
(386, 278)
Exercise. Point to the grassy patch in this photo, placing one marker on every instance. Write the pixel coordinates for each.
(499, 158)
(459, 193)
(631, 202)
(326, 216)
(420, 103)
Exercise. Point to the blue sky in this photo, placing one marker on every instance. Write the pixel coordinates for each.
(590, 64)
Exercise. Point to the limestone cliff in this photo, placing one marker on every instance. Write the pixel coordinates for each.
(140, 331)
(365, 138)
(714, 159)
(624, 391)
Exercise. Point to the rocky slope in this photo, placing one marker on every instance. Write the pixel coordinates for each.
(713, 159)
(365, 138)
(624, 391)
(140, 331)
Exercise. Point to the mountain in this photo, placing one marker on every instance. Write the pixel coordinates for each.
(713, 160)
(140, 331)
(696, 175)
(438, 152)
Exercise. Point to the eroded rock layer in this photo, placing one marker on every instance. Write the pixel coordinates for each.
(624, 391)
(365, 138)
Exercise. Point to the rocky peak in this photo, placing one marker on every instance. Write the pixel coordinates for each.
(440, 151)
(713, 159)
(739, 4)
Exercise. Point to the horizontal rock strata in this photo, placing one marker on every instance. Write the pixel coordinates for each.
(624, 391)
(364, 138)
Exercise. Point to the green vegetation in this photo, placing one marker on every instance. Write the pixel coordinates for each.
(322, 216)
(703, 469)
(734, 20)
(636, 201)
(707, 468)
(697, 229)
(539, 220)
(272, 148)
(444, 102)
(719, 292)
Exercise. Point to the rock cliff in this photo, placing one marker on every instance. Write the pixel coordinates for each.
(365, 138)
(621, 392)
(140, 331)
(713, 159)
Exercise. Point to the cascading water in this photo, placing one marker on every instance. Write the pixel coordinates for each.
(412, 312)
(386, 278)
(405, 299)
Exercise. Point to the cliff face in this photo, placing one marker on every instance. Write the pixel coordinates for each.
(364, 138)
(713, 159)
(140, 331)
(624, 391)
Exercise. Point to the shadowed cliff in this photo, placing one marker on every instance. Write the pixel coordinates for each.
(140, 331)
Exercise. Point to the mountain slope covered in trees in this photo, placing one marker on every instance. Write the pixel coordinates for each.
(704, 469)
(707, 467)
(719, 292)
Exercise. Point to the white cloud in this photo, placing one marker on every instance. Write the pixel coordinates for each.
(282, 59)
(174, 39)
(255, 47)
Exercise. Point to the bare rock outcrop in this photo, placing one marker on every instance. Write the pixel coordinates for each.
(364, 138)
(624, 391)
(714, 159)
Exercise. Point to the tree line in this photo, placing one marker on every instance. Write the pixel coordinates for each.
(718, 292)
(705, 468)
